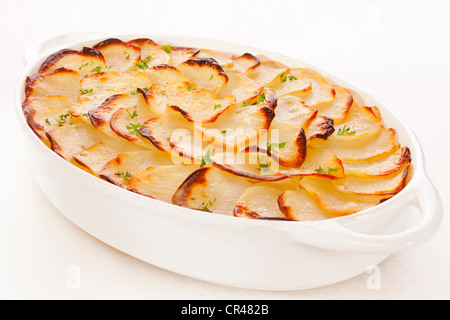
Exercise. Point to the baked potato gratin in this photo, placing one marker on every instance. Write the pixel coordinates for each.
(238, 135)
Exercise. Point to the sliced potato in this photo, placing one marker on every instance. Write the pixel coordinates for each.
(360, 122)
(210, 189)
(339, 107)
(205, 73)
(121, 82)
(119, 56)
(291, 109)
(259, 202)
(363, 149)
(40, 103)
(68, 141)
(89, 101)
(246, 63)
(62, 82)
(318, 162)
(96, 156)
(321, 127)
(382, 185)
(181, 54)
(200, 105)
(44, 120)
(165, 74)
(240, 86)
(292, 82)
(160, 182)
(379, 167)
(223, 59)
(121, 168)
(267, 71)
(85, 62)
(152, 54)
(300, 205)
(336, 202)
(321, 91)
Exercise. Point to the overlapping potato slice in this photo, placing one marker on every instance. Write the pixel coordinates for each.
(292, 82)
(240, 86)
(93, 158)
(181, 54)
(210, 189)
(336, 202)
(318, 162)
(44, 120)
(160, 182)
(85, 62)
(68, 141)
(152, 54)
(267, 71)
(321, 127)
(300, 205)
(379, 167)
(363, 149)
(259, 202)
(121, 168)
(222, 58)
(119, 56)
(360, 122)
(241, 123)
(40, 103)
(165, 74)
(246, 63)
(111, 80)
(381, 185)
(205, 73)
(321, 91)
(339, 107)
(89, 101)
(63, 82)
(158, 130)
(200, 105)
(291, 109)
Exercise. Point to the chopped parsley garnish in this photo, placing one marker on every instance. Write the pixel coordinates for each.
(125, 175)
(83, 154)
(134, 93)
(217, 106)
(47, 122)
(144, 63)
(291, 77)
(262, 98)
(223, 131)
(163, 92)
(204, 205)
(212, 76)
(206, 159)
(83, 65)
(190, 88)
(167, 48)
(85, 115)
(134, 128)
(86, 91)
(264, 166)
(146, 88)
(132, 115)
(274, 147)
(62, 118)
(323, 171)
(97, 69)
(284, 77)
(346, 130)
(128, 57)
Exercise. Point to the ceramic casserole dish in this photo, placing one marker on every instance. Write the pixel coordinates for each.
(244, 253)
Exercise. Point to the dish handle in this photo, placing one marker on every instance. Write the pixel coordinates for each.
(333, 235)
(58, 41)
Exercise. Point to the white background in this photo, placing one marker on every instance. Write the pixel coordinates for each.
(398, 51)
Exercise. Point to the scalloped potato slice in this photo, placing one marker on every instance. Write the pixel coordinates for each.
(62, 82)
(121, 168)
(300, 205)
(205, 73)
(292, 82)
(159, 130)
(267, 71)
(240, 86)
(165, 74)
(44, 120)
(111, 80)
(336, 202)
(246, 63)
(160, 182)
(181, 54)
(259, 202)
(68, 141)
(318, 162)
(379, 167)
(223, 59)
(339, 107)
(365, 148)
(200, 105)
(40, 103)
(360, 122)
(381, 185)
(291, 109)
(321, 127)
(85, 62)
(152, 54)
(89, 101)
(210, 189)
(119, 56)
(95, 157)
(321, 91)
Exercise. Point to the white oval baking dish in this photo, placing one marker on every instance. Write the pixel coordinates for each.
(254, 254)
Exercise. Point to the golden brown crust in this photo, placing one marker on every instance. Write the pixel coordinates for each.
(183, 192)
(31, 81)
(54, 58)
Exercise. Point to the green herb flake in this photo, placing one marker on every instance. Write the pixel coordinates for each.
(217, 106)
(167, 48)
(205, 205)
(86, 91)
(132, 115)
(346, 131)
(125, 175)
(144, 63)
(320, 170)
(97, 69)
(83, 65)
(206, 159)
(212, 76)
(134, 93)
(134, 128)
(63, 117)
(274, 147)
(190, 88)
(47, 122)
(283, 76)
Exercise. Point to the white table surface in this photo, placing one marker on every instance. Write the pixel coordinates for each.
(399, 51)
